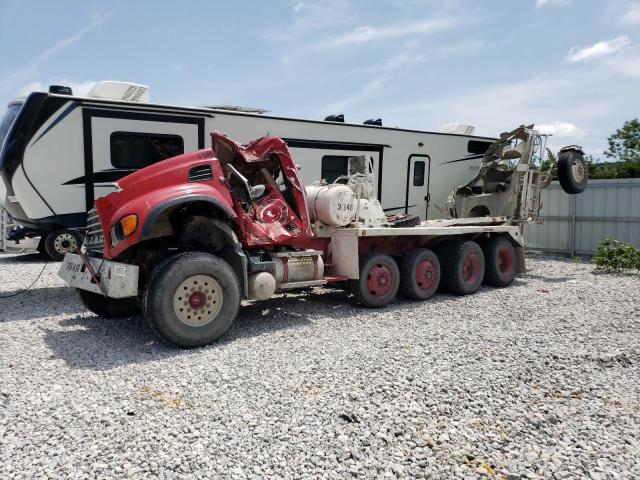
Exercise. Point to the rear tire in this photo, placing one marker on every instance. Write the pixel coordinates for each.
(500, 261)
(464, 268)
(109, 307)
(419, 274)
(192, 299)
(60, 242)
(379, 280)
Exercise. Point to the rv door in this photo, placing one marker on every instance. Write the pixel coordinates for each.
(417, 196)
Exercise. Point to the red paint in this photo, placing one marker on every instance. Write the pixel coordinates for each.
(380, 279)
(505, 260)
(471, 268)
(426, 275)
(197, 300)
(270, 220)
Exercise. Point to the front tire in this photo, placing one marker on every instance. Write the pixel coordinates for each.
(191, 299)
(109, 307)
(57, 244)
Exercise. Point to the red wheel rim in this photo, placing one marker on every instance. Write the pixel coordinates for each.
(380, 279)
(471, 268)
(426, 275)
(197, 300)
(505, 260)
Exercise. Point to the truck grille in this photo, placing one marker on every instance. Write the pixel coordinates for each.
(94, 239)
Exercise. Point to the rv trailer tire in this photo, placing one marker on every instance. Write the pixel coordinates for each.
(191, 299)
(60, 242)
(572, 171)
(109, 307)
(464, 268)
(501, 261)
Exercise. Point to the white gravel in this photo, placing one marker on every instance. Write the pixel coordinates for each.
(540, 380)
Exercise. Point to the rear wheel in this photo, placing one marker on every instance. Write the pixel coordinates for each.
(464, 268)
(192, 299)
(501, 261)
(61, 242)
(419, 274)
(109, 307)
(379, 280)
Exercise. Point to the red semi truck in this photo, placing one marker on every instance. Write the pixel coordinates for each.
(187, 239)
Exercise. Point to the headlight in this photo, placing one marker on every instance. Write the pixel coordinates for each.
(123, 228)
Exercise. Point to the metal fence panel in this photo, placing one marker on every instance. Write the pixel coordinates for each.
(574, 224)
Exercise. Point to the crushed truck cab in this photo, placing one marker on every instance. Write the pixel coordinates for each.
(188, 238)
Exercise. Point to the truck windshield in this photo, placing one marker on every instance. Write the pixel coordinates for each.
(7, 120)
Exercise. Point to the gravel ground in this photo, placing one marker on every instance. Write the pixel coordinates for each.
(540, 380)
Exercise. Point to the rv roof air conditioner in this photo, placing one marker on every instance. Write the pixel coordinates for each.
(125, 91)
(60, 90)
(373, 121)
(458, 128)
(335, 118)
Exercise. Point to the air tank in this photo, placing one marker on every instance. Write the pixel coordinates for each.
(333, 204)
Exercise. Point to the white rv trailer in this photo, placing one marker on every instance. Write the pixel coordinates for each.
(61, 152)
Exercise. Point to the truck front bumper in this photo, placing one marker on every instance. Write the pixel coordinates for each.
(113, 279)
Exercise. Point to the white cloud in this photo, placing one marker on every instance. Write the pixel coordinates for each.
(561, 129)
(298, 6)
(632, 16)
(79, 88)
(542, 3)
(367, 33)
(367, 92)
(21, 76)
(600, 49)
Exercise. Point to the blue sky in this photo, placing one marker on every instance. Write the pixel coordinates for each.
(571, 66)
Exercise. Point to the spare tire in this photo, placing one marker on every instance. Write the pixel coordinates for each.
(572, 171)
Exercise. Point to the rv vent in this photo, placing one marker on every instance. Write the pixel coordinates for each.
(200, 173)
(373, 121)
(335, 118)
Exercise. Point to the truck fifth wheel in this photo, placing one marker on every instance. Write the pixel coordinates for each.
(187, 239)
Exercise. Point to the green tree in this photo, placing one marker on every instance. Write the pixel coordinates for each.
(624, 145)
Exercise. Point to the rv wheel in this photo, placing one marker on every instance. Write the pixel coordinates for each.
(109, 307)
(572, 171)
(191, 299)
(464, 268)
(419, 274)
(61, 242)
(379, 280)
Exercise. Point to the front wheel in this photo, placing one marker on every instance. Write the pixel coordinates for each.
(109, 307)
(191, 299)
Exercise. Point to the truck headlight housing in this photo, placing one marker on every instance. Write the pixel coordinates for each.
(123, 228)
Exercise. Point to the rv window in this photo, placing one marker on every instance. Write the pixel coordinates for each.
(478, 147)
(418, 173)
(7, 120)
(333, 166)
(137, 150)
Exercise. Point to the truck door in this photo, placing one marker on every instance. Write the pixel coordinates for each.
(417, 197)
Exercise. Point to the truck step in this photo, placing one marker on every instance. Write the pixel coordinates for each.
(306, 284)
